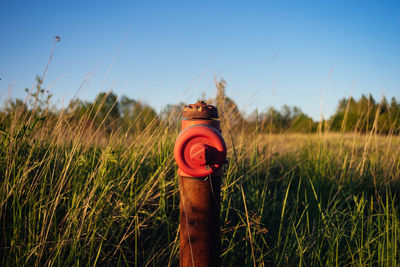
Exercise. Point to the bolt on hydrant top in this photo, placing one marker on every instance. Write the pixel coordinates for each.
(200, 110)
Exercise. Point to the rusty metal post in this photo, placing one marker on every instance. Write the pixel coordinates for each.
(200, 153)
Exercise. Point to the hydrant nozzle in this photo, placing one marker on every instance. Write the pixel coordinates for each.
(201, 134)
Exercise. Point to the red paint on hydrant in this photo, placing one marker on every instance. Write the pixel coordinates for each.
(188, 143)
(199, 154)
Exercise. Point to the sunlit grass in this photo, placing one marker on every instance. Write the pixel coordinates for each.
(73, 194)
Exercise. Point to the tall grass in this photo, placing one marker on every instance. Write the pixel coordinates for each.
(73, 194)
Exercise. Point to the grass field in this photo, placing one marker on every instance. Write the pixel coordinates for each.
(76, 196)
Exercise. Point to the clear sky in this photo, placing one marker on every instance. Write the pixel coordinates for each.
(304, 53)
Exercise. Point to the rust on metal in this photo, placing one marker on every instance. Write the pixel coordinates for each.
(199, 221)
(200, 110)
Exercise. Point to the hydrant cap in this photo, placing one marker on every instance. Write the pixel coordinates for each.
(200, 151)
(200, 110)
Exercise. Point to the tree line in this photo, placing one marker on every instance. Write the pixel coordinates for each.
(111, 113)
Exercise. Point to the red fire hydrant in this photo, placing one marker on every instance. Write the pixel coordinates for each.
(200, 153)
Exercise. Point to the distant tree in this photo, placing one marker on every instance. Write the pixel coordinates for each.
(393, 104)
(346, 116)
(77, 109)
(15, 110)
(303, 124)
(342, 105)
(127, 106)
(394, 116)
(106, 110)
(383, 105)
(366, 115)
(174, 111)
(171, 115)
(270, 121)
(137, 115)
(16, 106)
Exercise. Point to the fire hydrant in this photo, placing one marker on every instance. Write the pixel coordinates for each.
(200, 153)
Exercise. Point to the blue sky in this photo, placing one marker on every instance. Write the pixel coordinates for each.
(304, 53)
